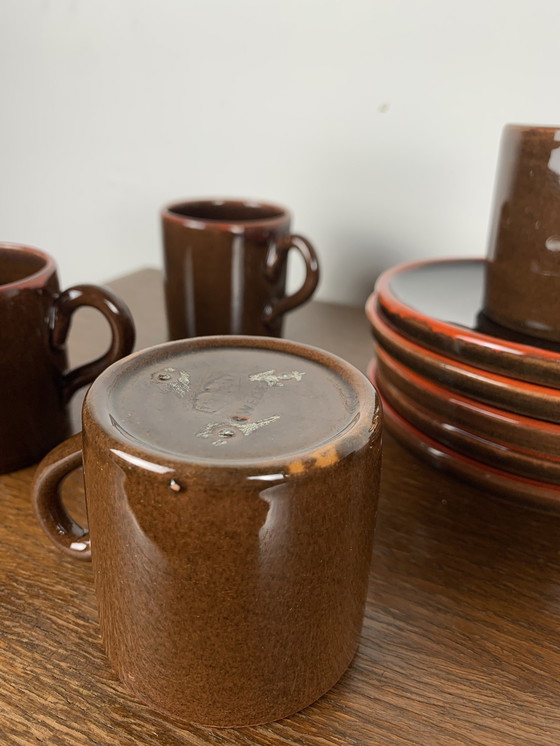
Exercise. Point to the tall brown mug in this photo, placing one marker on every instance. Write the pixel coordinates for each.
(522, 289)
(225, 267)
(231, 487)
(35, 383)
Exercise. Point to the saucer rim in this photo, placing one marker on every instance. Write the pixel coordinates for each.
(495, 481)
(520, 462)
(535, 364)
(513, 419)
(530, 399)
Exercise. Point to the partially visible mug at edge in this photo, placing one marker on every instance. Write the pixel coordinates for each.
(35, 383)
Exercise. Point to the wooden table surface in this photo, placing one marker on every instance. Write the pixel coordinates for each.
(461, 640)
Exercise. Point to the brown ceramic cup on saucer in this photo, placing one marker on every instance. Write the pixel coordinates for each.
(231, 486)
(225, 267)
(522, 289)
(35, 383)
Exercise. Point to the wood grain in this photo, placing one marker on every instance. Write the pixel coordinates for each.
(460, 645)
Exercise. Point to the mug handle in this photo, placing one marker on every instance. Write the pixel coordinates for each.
(61, 528)
(120, 321)
(275, 260)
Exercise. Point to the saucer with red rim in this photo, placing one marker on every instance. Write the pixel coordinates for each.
(486, 421)
(437, 303)
(516, 461)
(494, 480)
(512, 394)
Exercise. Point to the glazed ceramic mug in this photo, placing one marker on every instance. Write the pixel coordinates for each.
(35, 383)
(231, 487)
(225, 267)
(522, 288)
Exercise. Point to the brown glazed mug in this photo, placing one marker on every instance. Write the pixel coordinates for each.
(522, 288)
(225, 267)
(231, 487)
(35, 384)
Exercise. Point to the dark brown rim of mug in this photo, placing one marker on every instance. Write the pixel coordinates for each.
(174, 212)
(365, 425)
(36, 279)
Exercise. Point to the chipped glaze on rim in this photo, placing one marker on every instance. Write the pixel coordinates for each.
(364, 426)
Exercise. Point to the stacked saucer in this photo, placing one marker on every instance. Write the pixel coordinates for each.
(470, 396)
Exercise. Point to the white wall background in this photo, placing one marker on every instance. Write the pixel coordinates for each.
(376, 121)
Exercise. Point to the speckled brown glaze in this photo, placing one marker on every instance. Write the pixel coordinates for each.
(524, 398)
(523, 275)
(225, 267)
(35, 384)
(231, 486)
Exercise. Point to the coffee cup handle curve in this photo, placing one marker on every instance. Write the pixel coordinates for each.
(61, 528)
(120, 321)
(276, 258)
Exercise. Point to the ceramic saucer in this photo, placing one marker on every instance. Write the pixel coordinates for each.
(514, 461)
(512, 430)
(437, 304)
(512, 394)
(468, 469)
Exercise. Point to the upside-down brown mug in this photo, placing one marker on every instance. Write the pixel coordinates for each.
(35, 383)
(225, 267)
(522, 287)
(231, 487)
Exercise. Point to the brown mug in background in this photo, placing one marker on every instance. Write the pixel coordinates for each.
(35, 385)
(522, 288)
(225, 267)
(231, 486)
